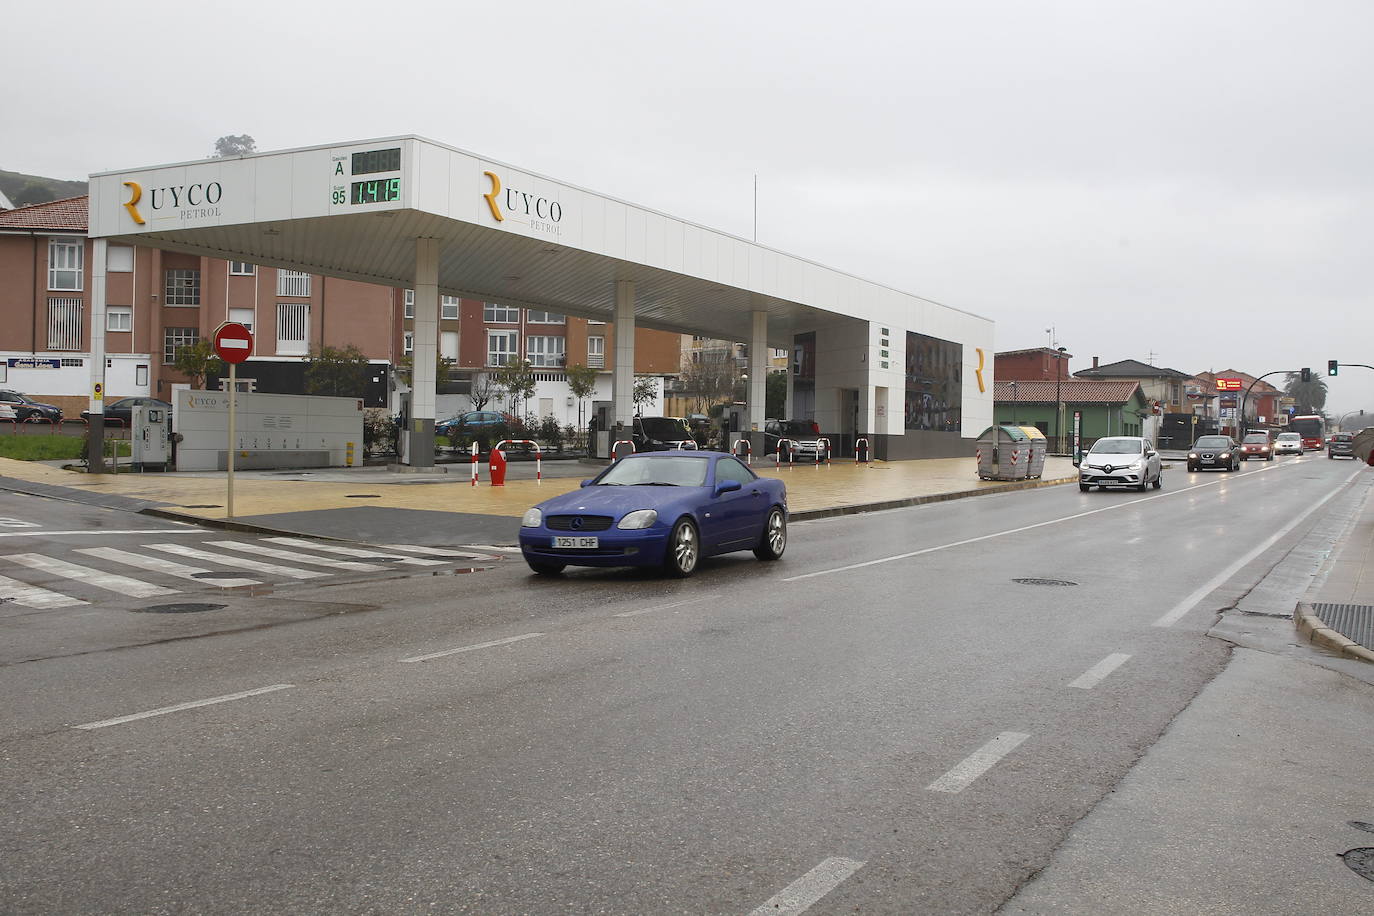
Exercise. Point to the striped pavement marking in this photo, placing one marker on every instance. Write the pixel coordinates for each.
(297, 557)
(800, 895)
(353, 551)
(33, 596)
(434, 551)
(167, 567)
(123, 585)
(271, 569)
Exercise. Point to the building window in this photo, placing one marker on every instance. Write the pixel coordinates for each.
(545, 351)
(173, 339)
(242, 269)
(119, 259)
(934, 383)
(293, 328)
(66, 261)
(64, 324)
(499, 314)
(141, 375)
(534, 317)
(448, 307)
(242, 316)
(292, 283)
(410, 303)
(408, 343)
(448, 345)
(502, 347)
(183, 287)
(119, 318)
(596, 352)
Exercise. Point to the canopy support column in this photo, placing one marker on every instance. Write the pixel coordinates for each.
(420, 425)
(758, 381)
(95, 449)
(623, 375)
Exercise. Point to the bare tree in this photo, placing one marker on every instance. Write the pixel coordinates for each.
(484, 389)
(709, 381)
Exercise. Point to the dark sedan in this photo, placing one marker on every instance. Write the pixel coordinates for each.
(123, 410)
(660, 509)
(1214, 452)
(25, 407)
(1340, 445)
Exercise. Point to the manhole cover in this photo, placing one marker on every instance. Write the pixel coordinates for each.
(1360, 861)
(204, 506)
(177, 608)
(363, 496)
(1363, 825)
(1043, 582)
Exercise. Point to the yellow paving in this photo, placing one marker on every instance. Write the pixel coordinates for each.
(809, 487)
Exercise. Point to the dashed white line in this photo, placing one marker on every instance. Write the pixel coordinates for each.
(798, 896)
(977, 763)
(1187, 604)
(98, 531)
(1097, 673)
(480, 645)
(120, 720)
(664, 607)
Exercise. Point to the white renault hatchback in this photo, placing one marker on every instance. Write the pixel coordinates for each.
(1121, 461)
(1288, 444)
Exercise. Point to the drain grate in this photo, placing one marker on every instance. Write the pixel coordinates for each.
(1043, 582)
(363, 496)
(1356, 621)
(177, 608)
(1360, 861)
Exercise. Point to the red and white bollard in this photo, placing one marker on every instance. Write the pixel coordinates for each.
(615, 456)
(868, 454)
(538, 455)
(791, 453)
(474, 464)
(748, 451)
(818, 450)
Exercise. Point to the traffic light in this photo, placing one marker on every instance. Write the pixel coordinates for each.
(1306, 374)
(1332, 366)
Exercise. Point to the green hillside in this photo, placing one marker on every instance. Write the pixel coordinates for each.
(23, 189)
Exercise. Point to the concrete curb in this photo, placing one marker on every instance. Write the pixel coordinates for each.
(225, 524)
(860, 508)
(1316, 630)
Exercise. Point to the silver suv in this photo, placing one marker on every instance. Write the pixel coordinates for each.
(1121, 461)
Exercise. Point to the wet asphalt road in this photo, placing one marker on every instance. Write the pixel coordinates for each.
(885, 717)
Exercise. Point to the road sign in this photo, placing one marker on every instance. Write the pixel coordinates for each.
(233, 342)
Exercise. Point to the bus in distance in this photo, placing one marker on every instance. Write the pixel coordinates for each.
(1312, 428)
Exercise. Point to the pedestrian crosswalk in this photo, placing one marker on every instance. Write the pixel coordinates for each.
(42, 581)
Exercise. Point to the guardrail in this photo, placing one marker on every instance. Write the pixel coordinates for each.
(538, 454)
(748, 450)
(868, 451)
(619, 442)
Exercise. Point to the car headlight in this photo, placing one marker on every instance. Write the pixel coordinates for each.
(1192, 454)
(1225, 454)
(640, 518)
(532, 518)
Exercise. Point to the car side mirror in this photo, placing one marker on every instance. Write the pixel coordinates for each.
(587, 482)
(727, 486)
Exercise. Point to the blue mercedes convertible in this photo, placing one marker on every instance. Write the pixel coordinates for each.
(665, 509)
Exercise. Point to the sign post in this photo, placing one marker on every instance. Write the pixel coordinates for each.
(233, 344)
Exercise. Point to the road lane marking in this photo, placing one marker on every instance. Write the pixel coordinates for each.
(120, 720)
(297, 557)
(664, 607)
(1187, 604)
(998, 534)
(434, 551)
(271, 569)
(977, 763)
(33, 596)
(1097, 673)
(798, 896)
(481, 645)
(167, 567)
(99, 531)
(353, 551)
(122, 585)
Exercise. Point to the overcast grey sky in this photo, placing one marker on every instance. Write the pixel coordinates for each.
(1187, 183)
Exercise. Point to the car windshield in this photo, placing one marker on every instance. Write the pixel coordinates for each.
(665, 429)
(1259, 439)
(795, 428)
(655, 471)
(1213, 442)
(1116, 447)
(1289, 437)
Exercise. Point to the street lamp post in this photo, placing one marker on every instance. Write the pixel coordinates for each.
(1058, 404)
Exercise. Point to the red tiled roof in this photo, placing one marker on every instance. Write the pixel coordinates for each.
(1077, 391)
(71, 214)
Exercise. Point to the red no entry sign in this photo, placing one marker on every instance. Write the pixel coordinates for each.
(233, 342)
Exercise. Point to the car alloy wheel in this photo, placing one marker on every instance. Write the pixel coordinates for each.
(683, 549)
(1083, 488)
(1159, 479)
(774, 539)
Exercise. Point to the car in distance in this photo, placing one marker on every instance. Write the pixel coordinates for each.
(1257, 445)
(1121, 461)
(1340, 444)
(25, 407)
(1288, 444)
(473, 420)
(665, 509)
(123, 409)
(805, 433)
(657, 434)
(1214, 452)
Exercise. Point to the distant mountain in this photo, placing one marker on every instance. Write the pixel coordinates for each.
(23, 190)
